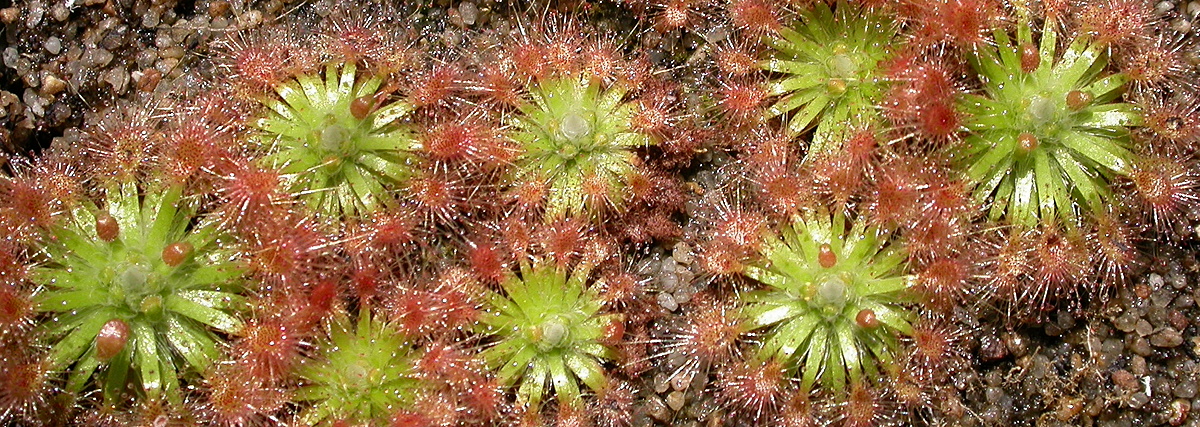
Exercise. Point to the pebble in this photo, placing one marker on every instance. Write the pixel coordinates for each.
(163, 40)
(167, 66)
(1052, 329)
(685, 276)
(1065, 320)
(1157, 316)
(1161, 386)
(1105, 358)
(146, 80)
(682, 253)
(11, 57)
(684, 294)
(28, 75)
(250, 19)
(676, 400)
(96, 57)
(34, 13)
(8, 100)
(60, 12)
(151, 18)
(468, 13)
(1185, 389)
(1068, 408)
(651, 39)
(991, 348)
(59, 113)
(1184, 366)
(1177, 281)
(146, 58)
(964, 378)
(1126, 322)
(173, 52)
(1167, 338)
(52, 85)
(1112, 346)
(681, 380)
(1142, 291)
(1155, 281)
(993, 378)
(667, 301)
(1143, 327)
(1177, 414)
(118, 78)
(34, 102)
(1138, 400)
(9, 15)
(662, 382)
(717, 34)
(1162, 297)
(668, 274)
(1163, 7)
(657, 409)
(1001, 408)
(668, 265)
(994, 394)
(675, 360)
(1184, 301)
(53, 45)
(1119, 422)
(993, 416)
(1039, 367)
(669, 282)
(1125, 380)
(703, 409)
(218, 9)
(1137, 366)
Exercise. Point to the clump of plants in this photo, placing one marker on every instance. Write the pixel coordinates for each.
(135, 290)
(782, 218)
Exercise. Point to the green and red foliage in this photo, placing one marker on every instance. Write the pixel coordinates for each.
(357, 222)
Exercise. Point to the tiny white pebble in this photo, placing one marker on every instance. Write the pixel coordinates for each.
(468, 12)
(667, 301)
(53, 45)
(1181, 25)
(1163, 7)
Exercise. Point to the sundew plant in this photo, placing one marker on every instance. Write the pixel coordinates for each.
(833, 305)
(830, 66)
(1048, 132)
(337, 146)
(138, 293)
(549, 331)
(577, 138)
(362, 372)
